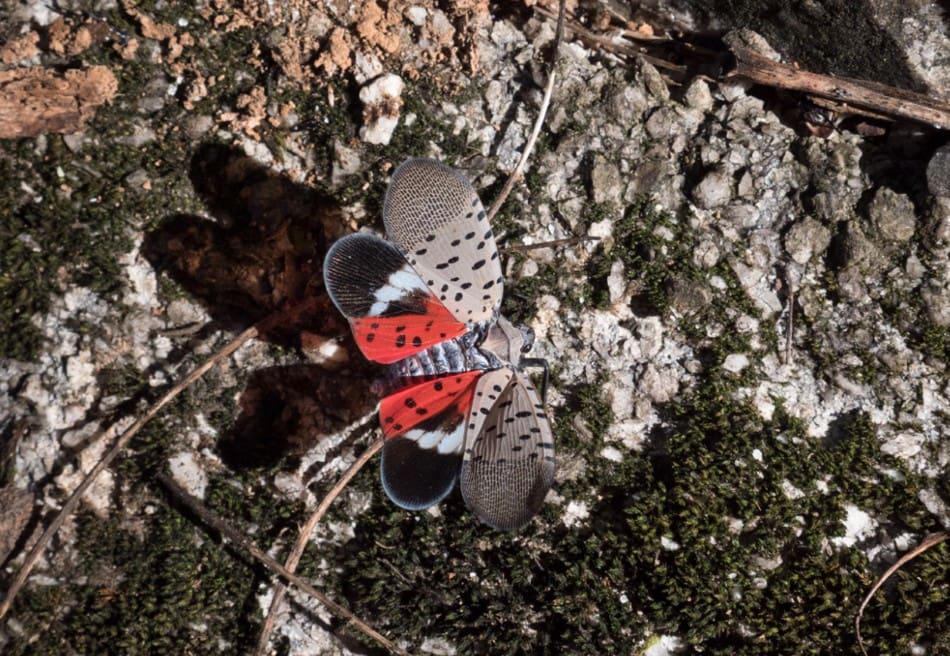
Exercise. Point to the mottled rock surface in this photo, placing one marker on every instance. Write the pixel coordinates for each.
(747, 327)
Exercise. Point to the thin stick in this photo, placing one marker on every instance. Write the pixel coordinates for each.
(861, 93)
(791, 325)
(931, 540)
(249, 547)
(613, 45)
(844, 95)
(73, 501)
(307, 530)
(567, 241)
(545, 102)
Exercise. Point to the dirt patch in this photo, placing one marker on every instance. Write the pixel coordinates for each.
(333, 38)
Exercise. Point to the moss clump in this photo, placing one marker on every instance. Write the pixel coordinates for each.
(697, 537)
(657, 250)
(114, 604)
(521, 296)
(156, 581)
(594, 408)
(719, 533)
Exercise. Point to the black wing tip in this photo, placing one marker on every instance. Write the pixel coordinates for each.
(354, 266)
(415, 478)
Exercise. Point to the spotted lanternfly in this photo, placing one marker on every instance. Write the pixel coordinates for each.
(456, 404)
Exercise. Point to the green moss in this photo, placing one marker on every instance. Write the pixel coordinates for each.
(155, 580)
(612, 582)
(113, 603)
(712, 480)
(521, 295)
(70, 225)
(701, 535)
(414, 141)
(80, 212)
(905, 310)
(934, 341)
(656, 249)
(594, 408)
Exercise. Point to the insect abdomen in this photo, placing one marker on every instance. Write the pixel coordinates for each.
(451, 356)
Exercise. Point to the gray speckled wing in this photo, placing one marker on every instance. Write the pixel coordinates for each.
(508, 462)
(434, 216)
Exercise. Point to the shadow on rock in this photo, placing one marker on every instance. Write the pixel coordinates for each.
(261, 257)
(261, 254)
(283, 408)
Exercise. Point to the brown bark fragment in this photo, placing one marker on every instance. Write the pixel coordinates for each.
(19, 49)
(37, 100)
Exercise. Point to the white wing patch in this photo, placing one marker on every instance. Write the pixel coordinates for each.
(445, 443)
(399, 285)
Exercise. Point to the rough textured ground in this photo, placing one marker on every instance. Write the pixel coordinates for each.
(720, 489)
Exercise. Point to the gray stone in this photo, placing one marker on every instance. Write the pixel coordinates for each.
(662, 123)
(892, 215)
(605, 181)
(690, 296)
(852, 285)
(938, 172)
(198, 126)
(937, 234)
(806, 239)
(697, 95)
(936, 297)
(749, 40)
(653, 81)
(346, 162)
(382, 100)
(862, 253)
(735, 362)
(714, 190)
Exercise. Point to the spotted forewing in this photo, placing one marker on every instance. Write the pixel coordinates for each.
(434, 216)
(437, 280)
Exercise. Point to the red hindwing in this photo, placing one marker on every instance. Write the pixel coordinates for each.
(407, 408)
(390, 339)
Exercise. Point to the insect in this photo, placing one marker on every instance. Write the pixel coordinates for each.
(456, 405)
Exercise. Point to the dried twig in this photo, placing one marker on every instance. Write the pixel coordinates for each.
(130, 432)
(843, 95)
(307, 530)
(542, 112)
(931, 540)
(879, 98)
(567, 241)
(615, 45)
(791, 325)
(249, 547)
